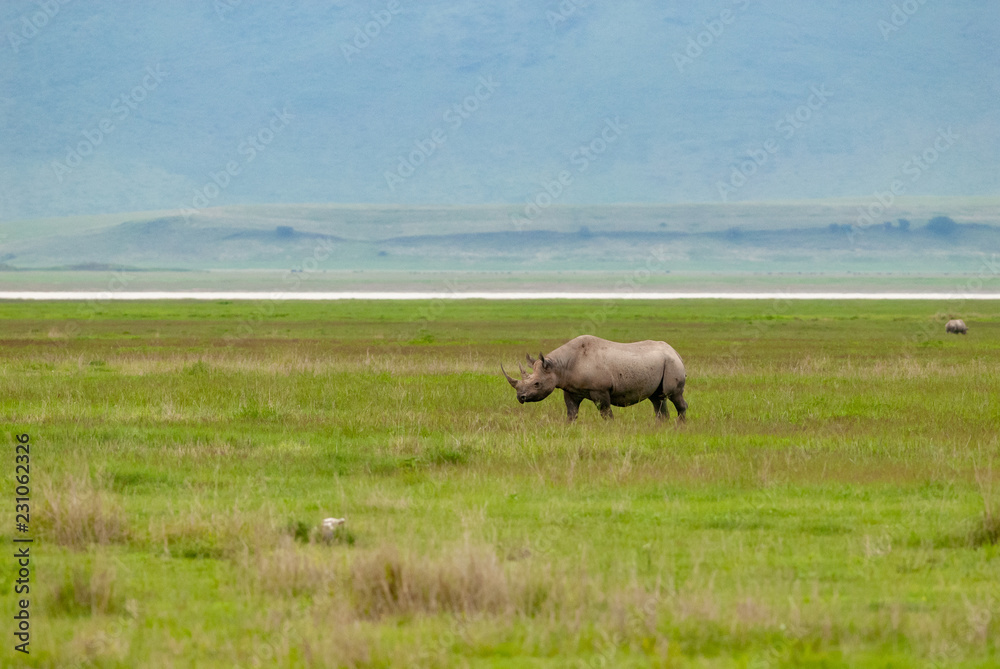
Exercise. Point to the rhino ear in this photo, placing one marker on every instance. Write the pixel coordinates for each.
(546, 364)
(531, 361)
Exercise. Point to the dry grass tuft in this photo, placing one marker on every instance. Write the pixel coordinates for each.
(336, 650)
(324, 634)
(469, 581)
(200, 532)
(91, 587)
(986, 531)
(288, 570)
(75, 513)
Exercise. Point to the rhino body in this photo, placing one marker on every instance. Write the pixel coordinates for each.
(956, 326)
(608, 374)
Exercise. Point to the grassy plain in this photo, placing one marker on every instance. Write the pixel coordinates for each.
(277, 282)
(832, 501)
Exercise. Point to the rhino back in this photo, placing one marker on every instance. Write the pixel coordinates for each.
(640, 365)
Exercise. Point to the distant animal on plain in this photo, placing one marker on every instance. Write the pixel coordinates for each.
(956, 326)
(330, 526)
(607, 373)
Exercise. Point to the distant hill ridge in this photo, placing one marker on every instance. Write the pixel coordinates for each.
(780, 237)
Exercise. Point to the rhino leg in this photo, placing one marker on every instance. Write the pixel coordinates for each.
(660, 406)
(572, 405)
(677, 399)
(603, 401)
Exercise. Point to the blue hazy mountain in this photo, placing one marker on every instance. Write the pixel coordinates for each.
(108, 106)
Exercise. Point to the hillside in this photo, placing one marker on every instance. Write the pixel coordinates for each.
(106, 108)
(816, 237)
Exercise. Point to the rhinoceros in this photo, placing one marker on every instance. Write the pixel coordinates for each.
(607, 373)
(956, 326)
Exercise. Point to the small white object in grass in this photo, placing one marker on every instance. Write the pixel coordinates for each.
(330, 525)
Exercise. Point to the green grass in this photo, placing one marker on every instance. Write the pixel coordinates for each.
(832, 501)
(975, 278)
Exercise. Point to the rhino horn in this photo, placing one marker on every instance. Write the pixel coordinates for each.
(524, 374)
(512, 382)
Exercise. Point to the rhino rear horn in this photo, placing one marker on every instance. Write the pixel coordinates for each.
(512, 382)
(524, 374)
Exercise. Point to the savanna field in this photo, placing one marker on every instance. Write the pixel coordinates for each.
(832, 501)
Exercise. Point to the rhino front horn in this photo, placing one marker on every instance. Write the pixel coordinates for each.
(512, 382)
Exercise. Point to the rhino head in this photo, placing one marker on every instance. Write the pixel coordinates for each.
(537, 385)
